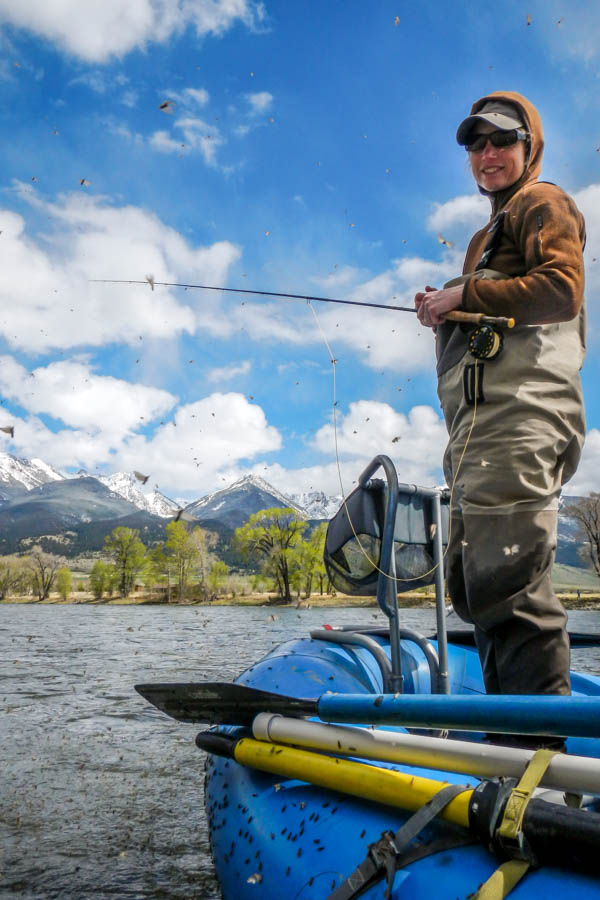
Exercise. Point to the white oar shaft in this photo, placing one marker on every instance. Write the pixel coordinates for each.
(568, 773)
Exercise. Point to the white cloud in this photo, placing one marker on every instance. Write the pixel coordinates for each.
(585, 479)
(73, 393)
(417, 454)
(197, 135)
(371, 427)
(122, 131)
(97, 31)
(46, 296)
(226, 373)
(205, 438)
(164, 143)
(471, 211)
(95, 80)
(198, 95)
(186, 455)
(588, 201)
(260, 102)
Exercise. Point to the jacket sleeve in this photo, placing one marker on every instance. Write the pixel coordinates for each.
(548, 232)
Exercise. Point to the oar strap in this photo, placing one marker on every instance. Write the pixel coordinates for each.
(510, 835)
(389, 853)
(510, 827)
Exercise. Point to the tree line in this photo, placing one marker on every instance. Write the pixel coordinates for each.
(276, 544)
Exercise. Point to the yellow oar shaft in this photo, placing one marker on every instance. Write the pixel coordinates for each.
(408, 792)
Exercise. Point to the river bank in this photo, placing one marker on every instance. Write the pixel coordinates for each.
(415, 600)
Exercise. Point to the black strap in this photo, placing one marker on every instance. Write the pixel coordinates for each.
(495, 236)
(473, 375)
(390, 852)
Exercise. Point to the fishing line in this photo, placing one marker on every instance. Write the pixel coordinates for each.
(337, 460)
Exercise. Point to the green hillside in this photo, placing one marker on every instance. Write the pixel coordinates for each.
(566, 578)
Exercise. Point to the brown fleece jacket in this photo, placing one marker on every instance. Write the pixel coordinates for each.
(542, 243)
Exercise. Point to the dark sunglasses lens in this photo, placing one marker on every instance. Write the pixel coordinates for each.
(504, 138)
(477, 143)
(496, 138)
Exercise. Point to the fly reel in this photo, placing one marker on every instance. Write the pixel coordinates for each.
(485, 342)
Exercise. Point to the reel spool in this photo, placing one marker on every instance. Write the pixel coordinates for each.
(485, 342)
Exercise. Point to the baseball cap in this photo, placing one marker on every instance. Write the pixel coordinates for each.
(504, 116)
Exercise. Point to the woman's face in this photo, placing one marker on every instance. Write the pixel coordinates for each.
(496, 168)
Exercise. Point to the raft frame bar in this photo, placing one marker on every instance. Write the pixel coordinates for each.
(387, 587)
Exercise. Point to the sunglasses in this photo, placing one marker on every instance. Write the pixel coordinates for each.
(497, 139)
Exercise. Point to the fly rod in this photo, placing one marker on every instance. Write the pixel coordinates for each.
(455, 315)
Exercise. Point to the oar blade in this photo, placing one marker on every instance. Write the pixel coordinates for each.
(220, 703)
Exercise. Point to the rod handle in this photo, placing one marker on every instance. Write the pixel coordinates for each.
(458, 315)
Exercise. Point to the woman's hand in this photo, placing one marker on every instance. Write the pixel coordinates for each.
(432, 304)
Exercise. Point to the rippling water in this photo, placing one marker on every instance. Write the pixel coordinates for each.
(100, 794)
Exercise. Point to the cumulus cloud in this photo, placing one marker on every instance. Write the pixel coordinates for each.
(197, 135)
(260, 102)
(197, 95)
(188, 454)
(588, 201)
(45, 290)
(371, 427)
(415, 443)
(96, 32)
(226, 373)
(70, 391)
(470, 211)
(185, 455)
(585, 479)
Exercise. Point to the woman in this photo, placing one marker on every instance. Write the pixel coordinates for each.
(526, 402)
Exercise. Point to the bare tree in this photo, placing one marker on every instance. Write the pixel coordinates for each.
(43, 567)
(586, 512)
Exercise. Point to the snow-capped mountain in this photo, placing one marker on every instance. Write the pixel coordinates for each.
(316, 504)
(235, 504)
(37, 499)
(18, 474)
(127, 486)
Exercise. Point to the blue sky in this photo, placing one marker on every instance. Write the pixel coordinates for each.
(306, 148)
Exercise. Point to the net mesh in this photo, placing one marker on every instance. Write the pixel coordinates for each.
(353, 543)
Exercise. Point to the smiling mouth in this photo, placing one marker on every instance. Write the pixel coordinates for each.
(492, 170)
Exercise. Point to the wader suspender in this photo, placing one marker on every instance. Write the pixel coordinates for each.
(391, 852)
(485, 341)
(495, 236)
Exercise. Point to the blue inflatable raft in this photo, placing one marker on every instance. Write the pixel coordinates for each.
(357, 762)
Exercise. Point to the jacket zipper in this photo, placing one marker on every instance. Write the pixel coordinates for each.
(538, 246)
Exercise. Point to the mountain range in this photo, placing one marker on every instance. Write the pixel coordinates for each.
(72, 514)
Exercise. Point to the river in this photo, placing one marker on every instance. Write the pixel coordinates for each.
(101, 794)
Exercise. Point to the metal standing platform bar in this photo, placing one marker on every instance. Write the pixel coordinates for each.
(387, 584)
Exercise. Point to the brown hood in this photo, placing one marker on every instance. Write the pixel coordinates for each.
(533, 123)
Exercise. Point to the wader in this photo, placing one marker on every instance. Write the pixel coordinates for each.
(524, 444)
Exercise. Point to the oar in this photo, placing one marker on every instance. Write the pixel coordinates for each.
(236, 704)
(577, 774)
(557, 835)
